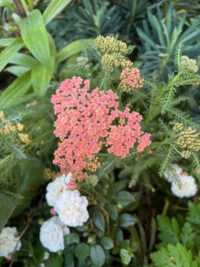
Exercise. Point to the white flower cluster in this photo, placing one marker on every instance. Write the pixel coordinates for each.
(71, 208)
(9, 241)
(182, 184)
(82, 61)
(189, 64)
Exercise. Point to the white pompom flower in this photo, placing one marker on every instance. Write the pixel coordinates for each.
(51, 234)
(72, 208)
(186, 187)
(55, 188)
(174, 171)
(9, 241)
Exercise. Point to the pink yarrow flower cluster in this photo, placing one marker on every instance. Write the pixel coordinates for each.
(87, 121)
(130, 78)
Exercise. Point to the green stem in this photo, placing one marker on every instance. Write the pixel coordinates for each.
(165, 208)
(32, 252)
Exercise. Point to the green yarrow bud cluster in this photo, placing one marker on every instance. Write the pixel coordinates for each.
(188, 139)
(188, 64)
(92, 179)
(83, 62)
(113, 53)
(109, 45)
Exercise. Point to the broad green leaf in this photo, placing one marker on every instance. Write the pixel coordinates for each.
(99, 220)
(125, 256)
(23, 60)
(40, 77)
(14, 91)
(6, 41)
(118, 186)
(73, 48)
(30, 3)
(7, 3)
(8, 202)
(52, 46)
(124, 198)
(35, 37)
(82, 251)
(69, 259)
(107, 243)
(25, 6)
(119, 236)
(72, 238)
(9, 52)
(54, 8)
(97, 256)
(17, 70)
(28, 175)
(113, 212)
(54, 261)
(126, 220)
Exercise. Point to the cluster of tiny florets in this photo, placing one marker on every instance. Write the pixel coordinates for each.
(188, 139)
(109, 45)
(113, 52)
(16, 128)
(92, 179)
(85, 123)
(130, 79)
(83, 62)
(188, 64)
(93, 164)
(2, 115)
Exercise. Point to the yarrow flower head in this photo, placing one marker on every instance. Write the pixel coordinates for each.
(85, 122)
(113, 52)
(110, 45)
(130, 79)
(55, 188)
(9, 241)
(72, 208)
(188, 139)
(188, 64)
(2, 115)
(52, 232)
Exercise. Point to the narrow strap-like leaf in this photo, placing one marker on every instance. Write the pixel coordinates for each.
(9, 52)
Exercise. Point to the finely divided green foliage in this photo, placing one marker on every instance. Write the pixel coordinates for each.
(173, 256)
(179, 242)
